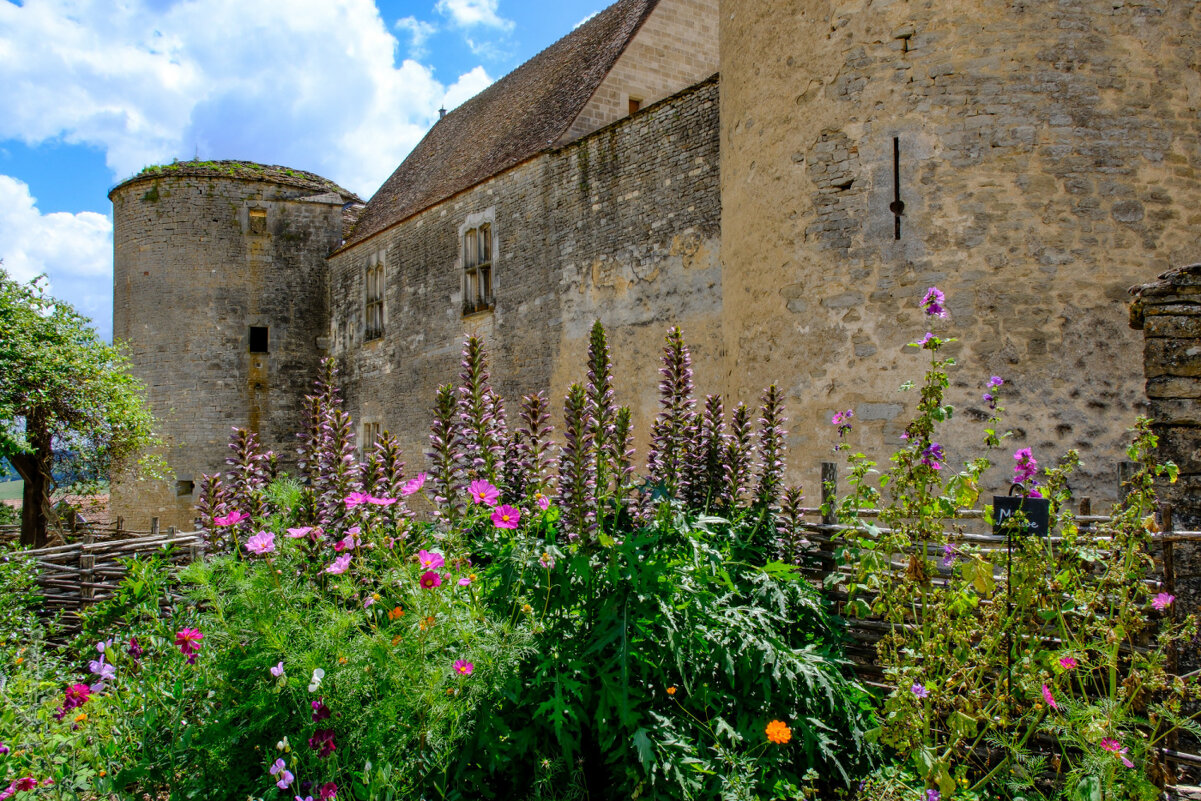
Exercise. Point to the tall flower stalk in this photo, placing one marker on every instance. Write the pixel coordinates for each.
(577, 479)
(446, 453)
(670, 433)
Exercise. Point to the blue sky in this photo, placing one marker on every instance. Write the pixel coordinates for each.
(93, 90)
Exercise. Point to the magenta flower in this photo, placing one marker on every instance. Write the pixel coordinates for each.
(298, 533)
(412, 485)
(933, 795)
(374, 501)
(134, 649)
(933, 301)
(1162, 601)
(542, 501)
(995, 382)
(322, 742)
(328, 791)
(1050, 699)
(483, 492)
(463, 667)
(841, 417)
(926, 340)
(1114, 747)
(506, 517)
(920, 691)
(26, 783)
(231, 519)
(188, 641)
(74, 697)
(339, 565)
(933, 456)
(3, 749)
(949, 555)
(280, 769)
(355, 499)
(278, 670)
(430, 560)
(1026, 467)
(348, 542)
(1067, 662)
(430, 580)
(465, 581)
(261, 543)
(320, 710)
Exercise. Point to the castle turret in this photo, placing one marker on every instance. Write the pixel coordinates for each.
(1032, 160)
(220, 299)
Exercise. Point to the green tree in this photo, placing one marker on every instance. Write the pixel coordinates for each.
(64, 391)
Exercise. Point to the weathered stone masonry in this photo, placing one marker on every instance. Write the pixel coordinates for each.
(620, 226)
(202, 255)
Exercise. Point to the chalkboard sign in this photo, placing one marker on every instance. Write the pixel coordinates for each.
(1037, 511)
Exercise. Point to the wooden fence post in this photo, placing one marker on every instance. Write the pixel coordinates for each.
(154, 526)
(87, 570)
(829, 493)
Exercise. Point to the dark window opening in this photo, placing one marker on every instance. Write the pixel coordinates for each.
(258, 221)
(258, 339)
(183, 488)
(635, 104)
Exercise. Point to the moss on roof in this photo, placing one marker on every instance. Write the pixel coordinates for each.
(242, 170)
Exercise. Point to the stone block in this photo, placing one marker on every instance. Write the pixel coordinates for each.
(1172, 357)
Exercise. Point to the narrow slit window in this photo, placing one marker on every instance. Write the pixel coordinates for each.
(184, 488)
(374, 310)
(477, 269)
(259, 340)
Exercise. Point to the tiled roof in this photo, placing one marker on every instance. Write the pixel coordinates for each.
(519, 116)
(244, 170)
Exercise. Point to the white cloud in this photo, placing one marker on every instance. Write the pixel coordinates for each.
(74, 250)
(419, 32)
(585, 19)
(468, 86)
(469, 13)
(312, 84)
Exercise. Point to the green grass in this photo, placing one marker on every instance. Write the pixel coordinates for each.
(11, 490)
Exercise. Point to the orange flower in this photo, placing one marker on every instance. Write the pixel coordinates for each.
(396, 639)
(778, 732)
(671, 690)
(81, 717)
(341, 660)
(20, 659)
(395, 613)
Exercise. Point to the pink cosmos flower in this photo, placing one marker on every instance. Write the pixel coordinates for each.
(463, 667)
(430, 580)
(261, 543)
(412, 485)
(339, 565)
(465, 581)
(1114, 747)
(328, 792)
(280, 769)
(188, 641)
(430, 560)
(1067, 662)
(506, 517)
(298, 533)
(1162, 601)
(231, 519)
(355, 499)
(483, 492)
(74, 697)
(374, 501)
(1050, 699)
(350, 541)
(542, 501)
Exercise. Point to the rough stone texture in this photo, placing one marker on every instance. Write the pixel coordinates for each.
(675, 47)
(1049, 157)
(1174, 388)
(190, 278)
(620, 226)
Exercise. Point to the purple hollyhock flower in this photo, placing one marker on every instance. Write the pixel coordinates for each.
(933, 301)
(995, 382)
(933, 456)
(949, 554)
(1026, 467)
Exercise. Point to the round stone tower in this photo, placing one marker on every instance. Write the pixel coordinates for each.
(219, 295)
(1032, 160)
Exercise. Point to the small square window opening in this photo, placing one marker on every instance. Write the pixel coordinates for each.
(258, 339)
(635, 104)
(258, 222)
(184, 488)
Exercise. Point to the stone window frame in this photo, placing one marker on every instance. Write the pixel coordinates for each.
(372, 430)
(375, 277)
(478, 248)
(258, 218)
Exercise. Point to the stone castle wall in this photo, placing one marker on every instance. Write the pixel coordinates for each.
(193, 273)
(1048, 159)
(675, 47)
(621, 226)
